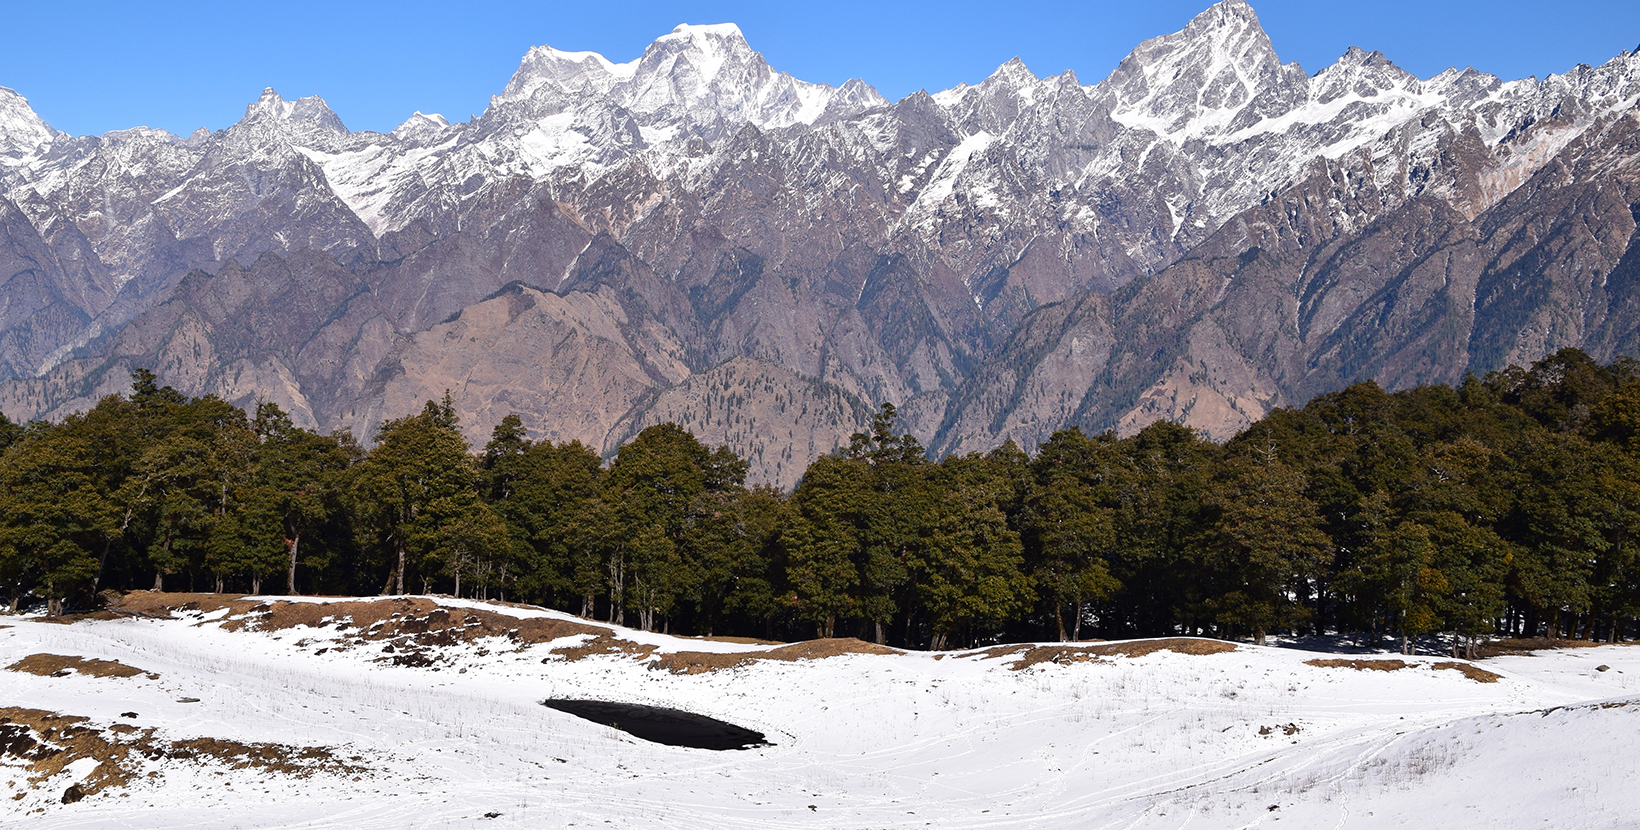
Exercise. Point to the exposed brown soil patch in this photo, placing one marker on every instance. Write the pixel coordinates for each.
(373, 619)
(48, 742)
(58, 665)
(696, 662)
(1471, 671)
(603, 643)
(1359, 665)
(1028, 656)
(742, 641)
(1526, 645)
(160, 604)
(1468, 670)
(413, 626)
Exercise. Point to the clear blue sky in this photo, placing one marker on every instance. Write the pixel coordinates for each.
(94, 66)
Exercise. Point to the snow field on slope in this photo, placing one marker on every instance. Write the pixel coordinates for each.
(904, 740)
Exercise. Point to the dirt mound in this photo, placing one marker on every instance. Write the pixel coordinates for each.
(1028, 655)
(696, 662)
(59, 665)
(160, 604)
(48, 743)
(413, 626)
(1526, 645)
(1471, 671)
(1475, 673)
(1359, 665)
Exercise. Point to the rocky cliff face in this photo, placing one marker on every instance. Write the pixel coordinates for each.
(695, 236)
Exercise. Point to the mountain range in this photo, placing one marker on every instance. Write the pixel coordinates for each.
(1203, 235)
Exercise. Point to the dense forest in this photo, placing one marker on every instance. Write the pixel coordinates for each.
(1505, 506)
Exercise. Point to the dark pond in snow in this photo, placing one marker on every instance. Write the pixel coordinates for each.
(672, 727)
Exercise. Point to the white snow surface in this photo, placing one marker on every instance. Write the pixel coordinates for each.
(961, 739)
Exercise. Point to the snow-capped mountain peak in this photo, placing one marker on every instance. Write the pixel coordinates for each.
(695, 67)
(1012, 76)
(22, 132)
(312, 110)
(569, 73)
(420, 127)
(706, 35)
(1013, 73)
(1362, 74)
(700, 73)
(1198, 79)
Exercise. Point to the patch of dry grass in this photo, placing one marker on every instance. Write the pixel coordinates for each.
(696, 662)
(409, 623)
(1471, 671)
(49, 742)
(1359, 665)
(59, 665)
(1028, 655)
(1519, 646)
(1475, 673)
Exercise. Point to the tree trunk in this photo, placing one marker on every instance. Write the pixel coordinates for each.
(102, 561)
(586, 606)
(256, 584)
(617, 589)
(1059, 616)
(1258, 635)
(108, 542)
(1076, 622)
(399, 582)
(290, 570)
(159, 579)
(219, 585)
(54, 607)
(882, 637)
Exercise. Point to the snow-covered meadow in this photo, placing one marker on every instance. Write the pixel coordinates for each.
(1252, 736)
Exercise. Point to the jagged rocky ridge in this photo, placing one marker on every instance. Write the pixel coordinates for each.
(1203, 235)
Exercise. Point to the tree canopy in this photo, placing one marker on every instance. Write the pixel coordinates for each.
(1506, 505)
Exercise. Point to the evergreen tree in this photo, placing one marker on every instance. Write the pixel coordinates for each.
(823, 541)
(1264, 535)
(300, 482)
(968, 572)
(417, 461)
(1069, 528)
(651, 486)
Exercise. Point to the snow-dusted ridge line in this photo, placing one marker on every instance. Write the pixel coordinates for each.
(1244, 123)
